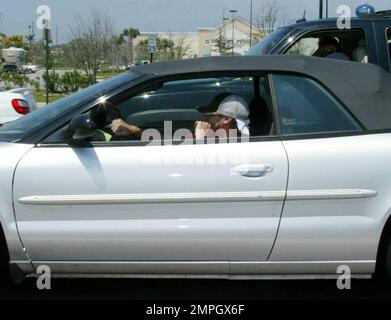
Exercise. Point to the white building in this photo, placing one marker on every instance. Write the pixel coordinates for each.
(203, 42)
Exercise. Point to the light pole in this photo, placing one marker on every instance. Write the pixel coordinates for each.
(225, 26)
(56, 26)
(46, 36)
(251, 24)
(320, 9)
(233, 30)
(327, 9)
(30, 45)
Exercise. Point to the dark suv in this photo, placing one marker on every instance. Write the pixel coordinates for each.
(368, 39)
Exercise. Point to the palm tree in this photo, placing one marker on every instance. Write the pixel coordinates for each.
(166, 46)
(130, 34)
(117, 41)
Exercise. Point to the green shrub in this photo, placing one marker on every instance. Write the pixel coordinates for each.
(73, 81)
(66, 83)
(13, 79)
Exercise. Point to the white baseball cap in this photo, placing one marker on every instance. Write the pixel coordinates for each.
(236, 108)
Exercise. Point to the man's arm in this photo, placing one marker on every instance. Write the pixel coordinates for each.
(203, 130)
(123, 129)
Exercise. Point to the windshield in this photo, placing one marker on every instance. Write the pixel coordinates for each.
(269, 42)
(21, 127)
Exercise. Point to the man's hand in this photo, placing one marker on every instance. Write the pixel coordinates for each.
(122, 129)
(203, 129)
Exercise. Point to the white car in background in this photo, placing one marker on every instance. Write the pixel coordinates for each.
(16, 103)
(30, 68)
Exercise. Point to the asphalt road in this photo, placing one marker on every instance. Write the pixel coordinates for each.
(151, 289)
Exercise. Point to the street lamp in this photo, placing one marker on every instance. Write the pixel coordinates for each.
(225, 25)
(233, 30)
(327, 9)
(47, 40)
(320, 9)
(30, 44)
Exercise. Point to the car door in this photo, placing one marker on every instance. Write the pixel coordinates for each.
(135, 208)
(334, 196)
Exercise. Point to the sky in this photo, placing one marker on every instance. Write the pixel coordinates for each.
(154, 15)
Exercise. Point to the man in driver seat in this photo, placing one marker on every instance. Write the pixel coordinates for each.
(231, 118)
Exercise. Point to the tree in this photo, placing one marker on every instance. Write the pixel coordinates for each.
(117, 41)
(181, 46)
(14, 41)
(91, 44)
(269, 19)
(222, 44)
(129, 35)
(141, 50)
(30, 39)
(165, 49)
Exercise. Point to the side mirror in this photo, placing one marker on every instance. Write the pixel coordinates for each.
(81, 129)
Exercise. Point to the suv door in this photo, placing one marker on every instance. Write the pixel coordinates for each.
(135, 208)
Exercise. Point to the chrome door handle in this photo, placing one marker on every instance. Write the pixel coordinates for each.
(252, 170)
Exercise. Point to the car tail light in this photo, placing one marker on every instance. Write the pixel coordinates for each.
(21, 106)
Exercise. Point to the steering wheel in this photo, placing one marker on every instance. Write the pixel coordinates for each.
(112, 114)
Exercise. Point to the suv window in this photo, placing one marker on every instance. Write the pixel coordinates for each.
(350, 45)
(305, 107)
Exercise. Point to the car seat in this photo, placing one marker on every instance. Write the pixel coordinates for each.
(260, 120)
(360, 54)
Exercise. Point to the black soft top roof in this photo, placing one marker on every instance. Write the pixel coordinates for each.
(364, 89)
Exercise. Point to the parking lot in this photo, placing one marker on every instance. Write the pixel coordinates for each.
(153, 289)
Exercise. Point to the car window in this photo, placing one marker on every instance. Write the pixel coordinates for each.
(346, 45)
(269, 42)
(174, 107)
(305, 47)
(23, 126)
(182, 103)
(182, 95)
(306, 107)
(179, 105)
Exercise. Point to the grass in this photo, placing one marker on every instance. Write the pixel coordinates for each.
(40, 96)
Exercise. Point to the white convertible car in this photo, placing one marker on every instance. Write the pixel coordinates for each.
(16, 103)
(307, 192)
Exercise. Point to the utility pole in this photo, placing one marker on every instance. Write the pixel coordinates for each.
(29, 50)
(320, 9)
(251, 24)
(46, 35)
(327, 9)
(233, 30)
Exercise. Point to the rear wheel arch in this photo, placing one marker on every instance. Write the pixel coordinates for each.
(4, 254)
(384, 244)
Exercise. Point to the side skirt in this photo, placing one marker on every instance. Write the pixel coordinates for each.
(204, 269)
